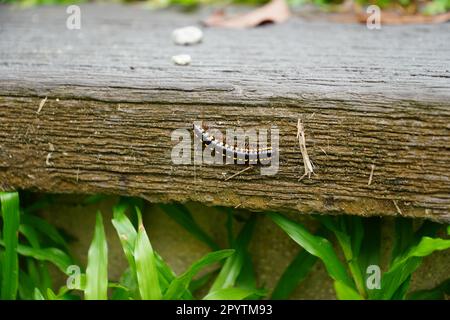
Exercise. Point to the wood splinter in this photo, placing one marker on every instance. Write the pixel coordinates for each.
(397, 207)
(302, 143)
(238, 173)
(371, 175)
(41, 105)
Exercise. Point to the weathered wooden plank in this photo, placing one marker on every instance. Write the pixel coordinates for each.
(366, 98)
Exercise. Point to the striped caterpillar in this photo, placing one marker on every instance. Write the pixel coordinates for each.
(242, 155)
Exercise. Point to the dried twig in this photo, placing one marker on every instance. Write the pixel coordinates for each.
(302, 143)
(371, 175)
(41, 105)
(238, 173)
(397, 207)
(47, 159)
(321, 149)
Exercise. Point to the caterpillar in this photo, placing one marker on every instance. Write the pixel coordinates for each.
(243, 155)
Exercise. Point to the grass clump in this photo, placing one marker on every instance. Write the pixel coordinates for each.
(349, 248)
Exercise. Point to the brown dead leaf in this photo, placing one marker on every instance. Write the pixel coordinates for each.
(216, 17)
(352, 12)
(396, 19)
(276, 11)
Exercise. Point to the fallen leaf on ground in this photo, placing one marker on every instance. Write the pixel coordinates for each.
(353, 12)
(395, 19)
(276, 11)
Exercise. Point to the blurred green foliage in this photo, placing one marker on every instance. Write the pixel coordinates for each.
(28, 3)
(428, 6)
(437, 6)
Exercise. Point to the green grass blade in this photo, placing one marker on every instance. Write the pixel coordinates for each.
(297, 270)
(53, 255)
(33, 271)
(63, 294)
(427, 246)
(127, 280)
(200, 282)
(38, 295)
(401, 291)
(127, 235)
(317, 246)
(247, 278)
(30, 234)
(183, 217)
(181, 283)
(26, 286)
(370, 247)
(404, 234)
(345, 292)
(97, 266)
(349, 232)
(33, 229)
(45, 280)
(229, 227)
(233, 265)
(406, 264)
(229, 272)
(166, 274)
(1, 272)
(94, 199)
(45, 229)
(51, 295)
(233, 294)
(10, 261)
(355, 227)
(146, 270)
(39, 273)
(395, 277)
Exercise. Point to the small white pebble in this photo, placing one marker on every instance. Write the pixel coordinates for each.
(182, 59)
(187, 35)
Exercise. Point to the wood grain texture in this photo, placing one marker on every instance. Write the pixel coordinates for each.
(366, 98)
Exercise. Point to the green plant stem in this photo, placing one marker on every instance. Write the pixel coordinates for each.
(11, 221)
(356, 273)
